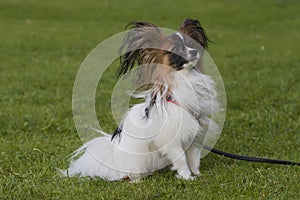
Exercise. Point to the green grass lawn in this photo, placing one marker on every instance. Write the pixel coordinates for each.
(256, 45)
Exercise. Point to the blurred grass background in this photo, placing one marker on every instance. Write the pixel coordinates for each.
(256, 45)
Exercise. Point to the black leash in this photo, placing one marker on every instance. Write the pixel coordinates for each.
(251, 159)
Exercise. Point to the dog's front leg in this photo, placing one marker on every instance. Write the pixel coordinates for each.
(177, 156)
(193, 158)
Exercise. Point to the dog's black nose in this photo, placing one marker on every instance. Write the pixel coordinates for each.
(193, 52)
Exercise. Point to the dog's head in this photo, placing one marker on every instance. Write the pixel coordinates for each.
(146, 44)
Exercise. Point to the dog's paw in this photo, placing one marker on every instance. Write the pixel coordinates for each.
(185, 177)
(173, 168)
(196, 172)
(184, 174)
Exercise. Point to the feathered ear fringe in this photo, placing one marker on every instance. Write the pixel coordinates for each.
(140, 43)
(194, 30)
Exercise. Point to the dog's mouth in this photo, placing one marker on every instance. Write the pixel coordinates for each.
(179, 62)
(189, 64)
(186, 65)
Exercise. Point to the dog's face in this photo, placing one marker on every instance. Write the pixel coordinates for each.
(182, 51)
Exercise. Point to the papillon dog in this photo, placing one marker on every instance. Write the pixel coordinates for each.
(168, 127)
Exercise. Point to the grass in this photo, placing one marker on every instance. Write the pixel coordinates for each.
(256, 47)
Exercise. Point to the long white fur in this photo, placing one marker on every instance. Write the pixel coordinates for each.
(171, 135)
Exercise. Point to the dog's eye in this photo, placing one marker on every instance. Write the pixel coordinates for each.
(176, 50)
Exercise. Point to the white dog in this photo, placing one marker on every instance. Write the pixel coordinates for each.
(169, 127)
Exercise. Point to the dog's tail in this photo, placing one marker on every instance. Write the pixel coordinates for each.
(94, 159)
(111, 160)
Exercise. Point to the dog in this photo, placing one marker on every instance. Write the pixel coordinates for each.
(167, 129)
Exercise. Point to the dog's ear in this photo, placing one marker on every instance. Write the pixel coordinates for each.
(194, 30)
(140, 41)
